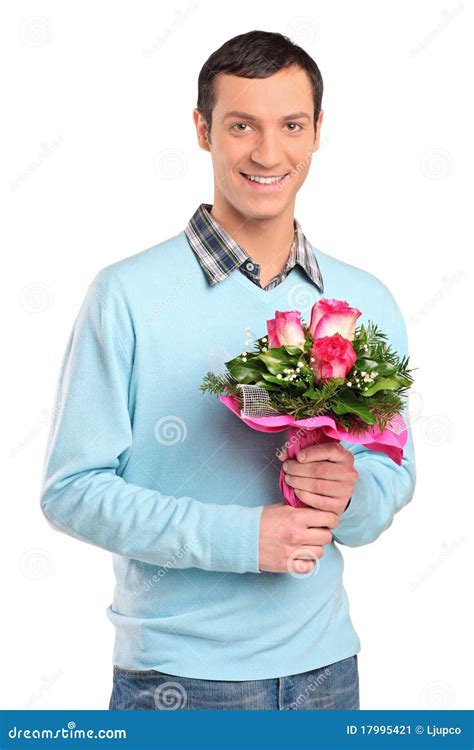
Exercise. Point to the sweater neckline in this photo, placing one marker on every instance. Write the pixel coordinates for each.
(297, 296)
(296, 285)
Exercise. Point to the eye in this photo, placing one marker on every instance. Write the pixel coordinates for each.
(237, 124)
(237, 128)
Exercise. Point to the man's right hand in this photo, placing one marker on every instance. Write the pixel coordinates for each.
(291, 540)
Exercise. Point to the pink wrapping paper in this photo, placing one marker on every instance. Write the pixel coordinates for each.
(305, 432)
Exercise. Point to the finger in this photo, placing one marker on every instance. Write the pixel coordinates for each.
(307, 552)
(311, 518)
(331, 451)
(318, 469)
(317, 486)
(324, 518)
(318, 502)
(319, 536)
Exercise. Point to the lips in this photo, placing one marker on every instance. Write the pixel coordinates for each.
(265, 187)
(245, 174)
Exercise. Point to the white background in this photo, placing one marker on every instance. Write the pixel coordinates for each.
(100, 161)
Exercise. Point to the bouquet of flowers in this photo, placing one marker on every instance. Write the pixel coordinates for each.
(327, 381)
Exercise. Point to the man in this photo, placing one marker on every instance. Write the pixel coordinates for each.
(226, 598)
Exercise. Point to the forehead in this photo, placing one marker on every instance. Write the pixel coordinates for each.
(287, 90)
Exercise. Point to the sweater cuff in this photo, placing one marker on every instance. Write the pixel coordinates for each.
(357, 504)
(235, 538)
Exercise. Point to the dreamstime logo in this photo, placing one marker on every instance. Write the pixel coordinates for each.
(293, 439)
(170, 430)
(36, 563)
(35, 430)
(447, 550)
(314, 681)
(303, 30)
(47, 150)
(47, 681)
(295, 170)
(437, 695)
(414, 405)
(295, 562)
(36, 31)
(300, 297)
(446, 17)
(170, 164)
(36, 297)
(436, 164)
(171, 296)
(170, 696)
(296, 436)
(436, 430)
(447, 282)
(180, 17)
(249, 339)
(169, 564)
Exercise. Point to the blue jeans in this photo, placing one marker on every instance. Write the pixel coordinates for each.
(335, 686)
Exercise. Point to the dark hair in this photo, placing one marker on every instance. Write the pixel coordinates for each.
(256, 54)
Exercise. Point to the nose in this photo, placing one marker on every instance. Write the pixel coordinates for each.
(266, 152)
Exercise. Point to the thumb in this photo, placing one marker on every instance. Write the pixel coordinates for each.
(283, 455)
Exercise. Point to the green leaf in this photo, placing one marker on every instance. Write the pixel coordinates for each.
(274, 379)
(293, 349)
(386, 368)
(347, 403)
(386, 384)
(244, 372)
(366, 365)
(276, 360)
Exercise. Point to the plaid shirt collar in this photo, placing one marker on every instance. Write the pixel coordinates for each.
(219, 254)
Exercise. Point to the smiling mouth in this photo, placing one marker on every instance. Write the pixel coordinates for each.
(262, 180)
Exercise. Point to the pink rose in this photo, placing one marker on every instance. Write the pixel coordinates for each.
(330, 316)
(285, 328)
(333, 356)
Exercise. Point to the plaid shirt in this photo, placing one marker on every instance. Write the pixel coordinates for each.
(219, 254)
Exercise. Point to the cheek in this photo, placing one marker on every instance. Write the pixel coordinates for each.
(226, 158)
(302, 160)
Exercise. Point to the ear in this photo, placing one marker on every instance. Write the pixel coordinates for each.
(318, 131)
(201, 130)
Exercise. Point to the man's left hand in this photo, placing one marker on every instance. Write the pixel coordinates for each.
(326, 477)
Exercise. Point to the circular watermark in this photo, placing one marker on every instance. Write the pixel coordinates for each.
(170, 696)
(170, 430)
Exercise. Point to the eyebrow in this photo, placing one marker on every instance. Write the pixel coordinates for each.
(248, 116)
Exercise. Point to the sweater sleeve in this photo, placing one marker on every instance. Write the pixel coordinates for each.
(90, 437)
(382, 488)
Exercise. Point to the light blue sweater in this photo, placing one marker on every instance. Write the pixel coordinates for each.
(141, 463)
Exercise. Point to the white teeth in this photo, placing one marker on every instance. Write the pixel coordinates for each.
(264, 180)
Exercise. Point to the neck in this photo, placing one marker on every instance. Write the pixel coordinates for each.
(268, 241)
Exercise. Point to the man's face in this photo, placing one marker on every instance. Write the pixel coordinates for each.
(260, 140)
